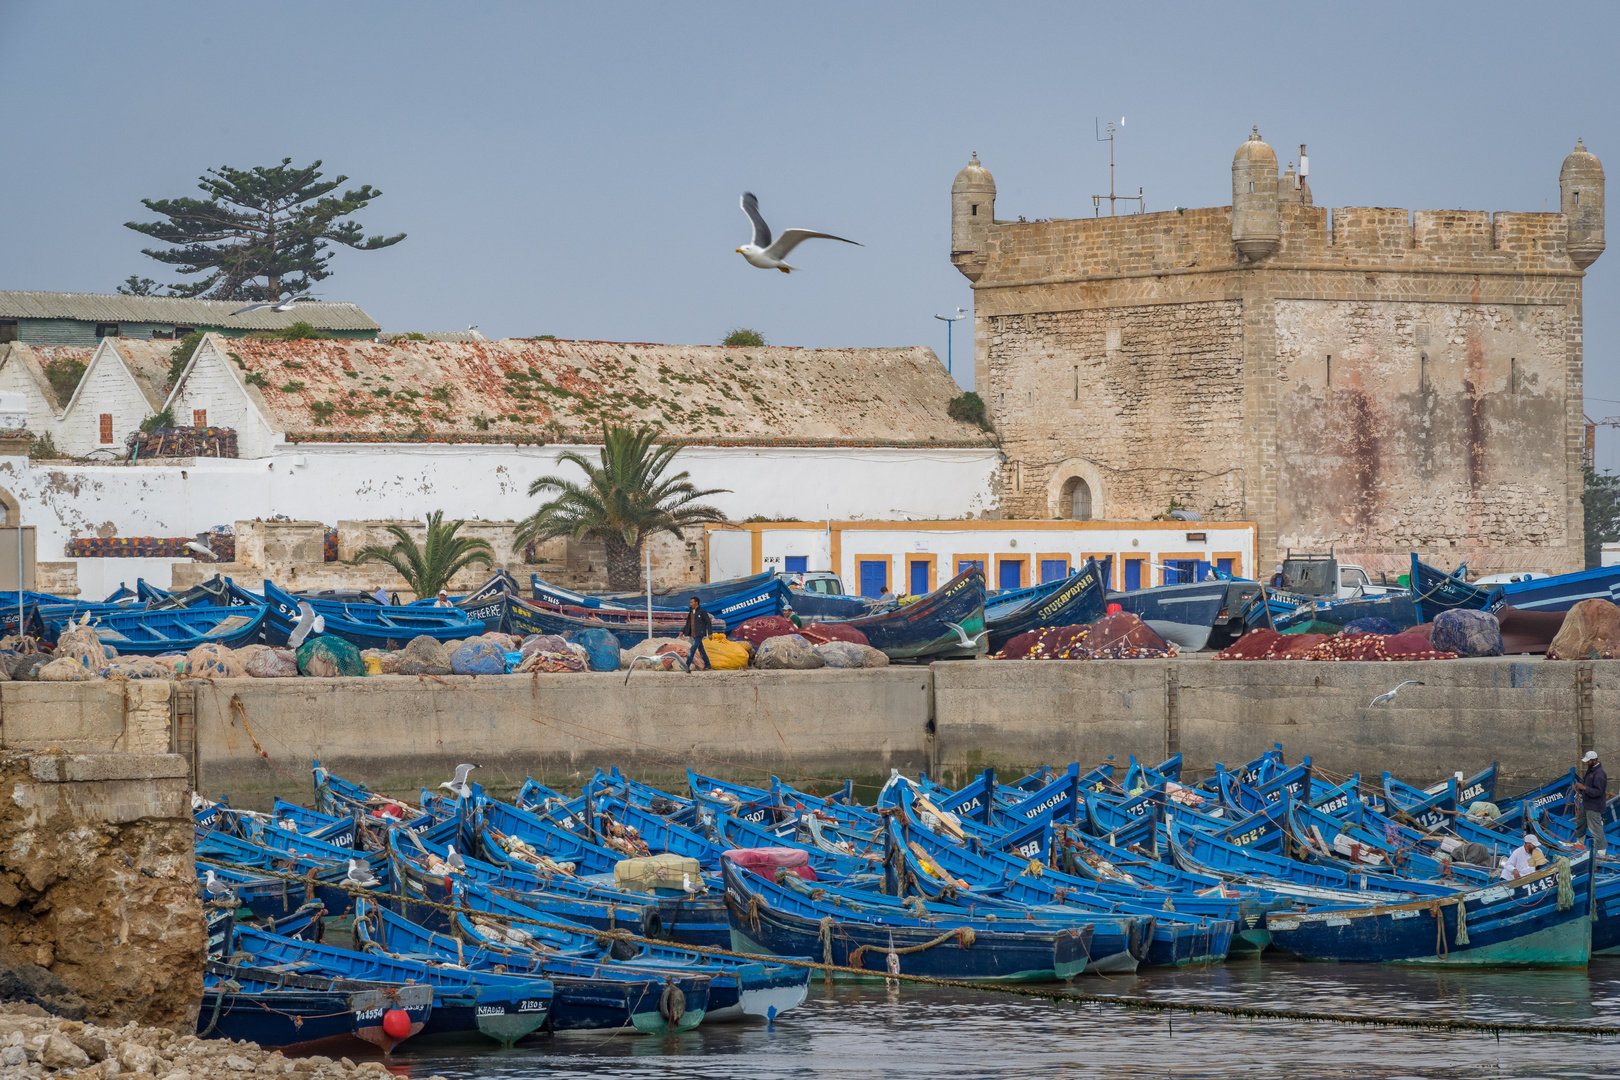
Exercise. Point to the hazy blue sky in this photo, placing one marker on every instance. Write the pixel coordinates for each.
(574, 169)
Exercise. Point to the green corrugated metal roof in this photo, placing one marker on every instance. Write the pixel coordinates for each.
(100, 307)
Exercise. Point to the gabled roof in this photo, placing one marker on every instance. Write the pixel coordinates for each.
(148, 363)
(169, 310)
(34, 358)
(557, 391)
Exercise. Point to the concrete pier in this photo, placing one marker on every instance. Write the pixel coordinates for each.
(252, 739)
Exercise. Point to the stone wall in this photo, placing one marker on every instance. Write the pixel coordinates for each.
(1144, 351)
(98, 882)
(100, 716)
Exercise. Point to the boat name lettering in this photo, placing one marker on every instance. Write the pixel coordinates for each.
(1534, 887)
(1273, 923)
(373, 1013)
(491, 1010)
(1056, 800)
(1472, 791)
(1029, 849)
(1135, 811)
(971, 804)
(1338, 802)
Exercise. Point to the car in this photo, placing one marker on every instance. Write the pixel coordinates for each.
(1509, 579)
(817, 581)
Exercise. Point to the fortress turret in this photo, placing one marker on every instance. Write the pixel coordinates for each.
(1580, 183)
(973, 209)
(1256, 224)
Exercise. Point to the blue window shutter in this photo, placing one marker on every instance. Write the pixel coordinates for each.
(796, 564)
(1054, 570)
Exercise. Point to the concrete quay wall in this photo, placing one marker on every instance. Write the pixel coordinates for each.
(252, 739)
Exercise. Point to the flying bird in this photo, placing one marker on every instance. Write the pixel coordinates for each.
(284, 305)
(1390, 694)
(458, 787)
(963, 639)
(767, 255)
(308, 622)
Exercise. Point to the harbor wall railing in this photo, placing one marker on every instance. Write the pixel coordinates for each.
(253, 739)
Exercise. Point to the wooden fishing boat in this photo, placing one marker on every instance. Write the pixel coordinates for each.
(1398, 609)
(828, 606)
(277, 1009)
(733, 601)
(1184, 614)
(365, 626)
(1070, 601)
(946, 624)
(1559, 593)
(1541, 920)
(151, 633)
(511, 614)
(1434, 590)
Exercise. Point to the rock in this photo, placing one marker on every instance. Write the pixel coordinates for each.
(478, 657)
(1591, 631)
(1467, 633)
(59, 1053)
(424, 656)
(13, 1055)
(30, 982)
(136, 1057)
(237, 1063)
(65, 670)
(269, 663)
(790, 651)
(213, 662)
(94, 1045)
(601, 649)
(327, 656)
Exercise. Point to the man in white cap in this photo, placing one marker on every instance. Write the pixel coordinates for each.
(1518, 863)
(443, 600)
(1593, 790)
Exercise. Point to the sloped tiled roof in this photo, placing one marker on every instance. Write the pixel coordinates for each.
(101, 307)
(34, 359)
(532, 390)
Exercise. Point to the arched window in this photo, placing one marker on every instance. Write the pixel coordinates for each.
(1076, 501)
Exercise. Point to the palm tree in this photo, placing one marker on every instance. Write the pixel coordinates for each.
(429, 568)
(625, 499)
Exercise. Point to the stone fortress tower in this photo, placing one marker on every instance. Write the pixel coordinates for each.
(1373, 380)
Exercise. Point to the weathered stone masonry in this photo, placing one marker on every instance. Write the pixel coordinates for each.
(1369, 379)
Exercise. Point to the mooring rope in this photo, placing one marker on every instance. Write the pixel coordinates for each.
(1496, 1028)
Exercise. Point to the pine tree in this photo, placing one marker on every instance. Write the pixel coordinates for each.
(262, 233)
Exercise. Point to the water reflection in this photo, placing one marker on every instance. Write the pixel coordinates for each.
(869, 1031)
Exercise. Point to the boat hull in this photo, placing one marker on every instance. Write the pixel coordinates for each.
(1184, 614)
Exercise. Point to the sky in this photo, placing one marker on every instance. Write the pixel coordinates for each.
(574, 169)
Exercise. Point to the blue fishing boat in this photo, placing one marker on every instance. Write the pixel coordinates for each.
(828, 606)
(1558, 593)
(946, 624)
(1399, 609)
(279, 1009)
(511, 614)
(1434, 590)
(1069, 601)
(151, 633)
(1184, 614)
(365, 626)
(730, 601)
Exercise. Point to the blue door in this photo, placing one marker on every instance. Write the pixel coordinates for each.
(1133, 574)
(1054, 570)
(964, 565)
(874, 577)
(796, 564)
(919, 578)
(1010, 575)
(1225, 566)
(1180, 571)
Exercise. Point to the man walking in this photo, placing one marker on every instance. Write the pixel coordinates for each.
(1594, 792)
(698, 626)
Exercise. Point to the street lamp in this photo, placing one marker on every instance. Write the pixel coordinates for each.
(950, 322)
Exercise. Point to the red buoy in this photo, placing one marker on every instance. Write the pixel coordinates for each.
(397, 1023)
(1114, 609)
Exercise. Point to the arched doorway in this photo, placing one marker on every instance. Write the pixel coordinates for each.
(1075, 501)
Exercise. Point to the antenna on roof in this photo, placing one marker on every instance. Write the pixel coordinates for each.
(1096, 200)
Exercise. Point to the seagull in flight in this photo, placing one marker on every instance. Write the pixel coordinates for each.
(458, 787)
(283, 305)
(1389, 695)
(767, 255)
(308, 622)
(962, 636)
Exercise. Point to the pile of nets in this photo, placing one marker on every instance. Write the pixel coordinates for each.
(1270, 645)
(1119, 635)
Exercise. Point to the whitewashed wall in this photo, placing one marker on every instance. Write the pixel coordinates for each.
(16, 379)
(488, 482)
(215, 385)
(107, 387)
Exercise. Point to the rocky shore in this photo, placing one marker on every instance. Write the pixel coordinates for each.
(34, 1043)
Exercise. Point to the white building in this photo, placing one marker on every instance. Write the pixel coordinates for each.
(919, 556)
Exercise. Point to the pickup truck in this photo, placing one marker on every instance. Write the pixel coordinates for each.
(1323, 577)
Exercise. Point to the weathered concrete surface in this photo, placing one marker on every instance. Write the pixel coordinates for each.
(398, 733)
(88, 717)
(1522, 712)
(97, 880)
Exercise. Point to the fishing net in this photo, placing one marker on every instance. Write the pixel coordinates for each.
(270, 663)
(213, 661)
(1122, 631)
(327, 657)
(1590, 632)
(789, 651)
(1467, 633)
(847, 654)
(66, 670)
(1413, 646)
(601, 649)
(424, 656)
(1373, 624)
(83, 646)
(1255, 645)
(139, 667)
(761, 628)
(478, 657)
(1297, 646)
(1047, 643)
(820, 633)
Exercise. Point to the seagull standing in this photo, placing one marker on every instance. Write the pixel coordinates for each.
(453, 857)
(1389, 695)
(308, 623)
(273, 305)
(767, 255)
(458, 787)
(359, 874)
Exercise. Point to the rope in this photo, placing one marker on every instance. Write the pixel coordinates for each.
(964, 935)
(1462, 923)
(1027, 990)
(1440, 948)
(1566, 889)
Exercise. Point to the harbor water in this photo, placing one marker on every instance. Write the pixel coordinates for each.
(866, 1030)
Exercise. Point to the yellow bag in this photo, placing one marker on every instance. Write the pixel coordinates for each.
(725, 654)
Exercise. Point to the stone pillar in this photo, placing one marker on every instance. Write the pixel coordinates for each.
(98, 883)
